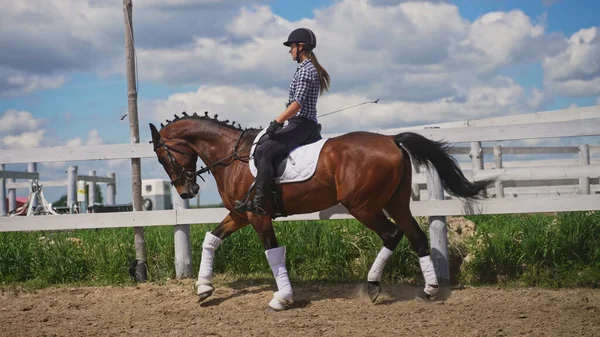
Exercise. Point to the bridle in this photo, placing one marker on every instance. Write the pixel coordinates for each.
(184, 175)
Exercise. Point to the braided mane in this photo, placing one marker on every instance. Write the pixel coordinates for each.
(206, 117)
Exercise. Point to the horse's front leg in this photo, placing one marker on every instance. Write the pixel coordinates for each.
(212, 240)
(282, 298)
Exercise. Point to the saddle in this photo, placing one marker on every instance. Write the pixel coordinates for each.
(280, 163)
(279, 167)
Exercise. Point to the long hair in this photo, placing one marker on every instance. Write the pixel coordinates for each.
(323, 75)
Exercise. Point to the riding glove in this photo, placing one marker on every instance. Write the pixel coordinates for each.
(273, 127)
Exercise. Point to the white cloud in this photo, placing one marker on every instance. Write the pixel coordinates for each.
(576, 70)
(16, 83)
(16, 121)
(49, 39)
(94, 138)
(74, 142)
(536, 99)
(412, 51)
(27, 139)
(254, 107)
(20, 129)
(249, 106)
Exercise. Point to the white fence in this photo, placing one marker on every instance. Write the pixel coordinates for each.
(578, 177)
(8, 182)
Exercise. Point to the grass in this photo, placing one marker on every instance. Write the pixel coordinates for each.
(559, 250)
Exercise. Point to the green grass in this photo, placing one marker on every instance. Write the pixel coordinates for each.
(542, 250)
(536, 250)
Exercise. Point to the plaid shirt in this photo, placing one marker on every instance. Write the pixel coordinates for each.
(304, 89)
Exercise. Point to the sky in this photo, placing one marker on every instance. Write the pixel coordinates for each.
(62, 67)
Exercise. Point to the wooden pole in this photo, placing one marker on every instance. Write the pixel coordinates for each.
(3, 205)
(182, 241)
(136, 181)
(584, 159)
(438, 232)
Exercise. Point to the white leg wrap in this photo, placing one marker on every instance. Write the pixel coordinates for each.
(379, 264)
(431, 281)
(210, 244)
(283, 296)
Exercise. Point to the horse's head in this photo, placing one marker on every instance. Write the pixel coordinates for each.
(179, 161)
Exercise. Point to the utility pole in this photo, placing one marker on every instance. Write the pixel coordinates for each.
(136, 181)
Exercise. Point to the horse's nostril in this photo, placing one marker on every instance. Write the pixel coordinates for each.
(195, 188)
(186, 196)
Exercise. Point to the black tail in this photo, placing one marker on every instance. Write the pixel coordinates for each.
(428, 152)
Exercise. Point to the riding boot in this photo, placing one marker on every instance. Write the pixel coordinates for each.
(257, 205)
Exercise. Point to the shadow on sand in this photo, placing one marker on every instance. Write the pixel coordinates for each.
(306, 293)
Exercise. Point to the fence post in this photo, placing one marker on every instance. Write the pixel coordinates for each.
(498, 165)
(476, 155)
(71, 185)
(416, 192)
(111, 189)
(3, 211)
(438, 232)
(183, 246)
(92, 190)
(584, 159)
(12, 197)
(32, 167)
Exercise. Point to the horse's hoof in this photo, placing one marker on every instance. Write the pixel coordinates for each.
(279, 305)
(269, 310)
(425, 297)
(202, 297)
(374, 289)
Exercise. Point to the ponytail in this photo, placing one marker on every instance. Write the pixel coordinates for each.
(323, 75)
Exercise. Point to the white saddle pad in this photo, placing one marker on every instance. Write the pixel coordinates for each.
(301, 161)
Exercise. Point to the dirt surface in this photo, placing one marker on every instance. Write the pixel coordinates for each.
(320, 310)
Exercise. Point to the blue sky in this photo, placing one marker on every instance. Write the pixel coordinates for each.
(66, 77)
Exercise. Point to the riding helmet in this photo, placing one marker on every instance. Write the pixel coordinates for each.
(303, 35)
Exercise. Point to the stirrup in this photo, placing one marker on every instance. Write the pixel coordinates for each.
(249, 206)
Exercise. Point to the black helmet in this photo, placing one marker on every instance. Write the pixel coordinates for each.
(303, 35)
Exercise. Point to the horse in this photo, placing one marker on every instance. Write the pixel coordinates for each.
(365, 172)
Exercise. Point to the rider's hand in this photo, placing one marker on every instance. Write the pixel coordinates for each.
(273, 127)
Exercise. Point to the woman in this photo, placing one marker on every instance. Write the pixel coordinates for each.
(308, 83)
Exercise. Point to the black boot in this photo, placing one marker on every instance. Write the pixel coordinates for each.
(257, 205)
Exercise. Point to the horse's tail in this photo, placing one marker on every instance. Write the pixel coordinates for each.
(428, 152)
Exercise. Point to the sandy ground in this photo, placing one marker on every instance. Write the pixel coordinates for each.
(319, 310)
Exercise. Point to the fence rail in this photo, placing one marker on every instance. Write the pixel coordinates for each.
(215, 215)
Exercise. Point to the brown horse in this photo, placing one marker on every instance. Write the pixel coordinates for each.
(365, 172)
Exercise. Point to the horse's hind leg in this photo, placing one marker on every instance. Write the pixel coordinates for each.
(212, 241)
(400, 212)
(390, 234)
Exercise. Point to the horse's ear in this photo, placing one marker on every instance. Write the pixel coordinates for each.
(155, 134)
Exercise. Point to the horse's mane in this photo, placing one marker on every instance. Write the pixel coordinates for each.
(206, 117)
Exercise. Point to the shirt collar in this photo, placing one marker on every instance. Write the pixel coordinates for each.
(303, 64)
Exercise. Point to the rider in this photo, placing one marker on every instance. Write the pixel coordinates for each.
(308, 83)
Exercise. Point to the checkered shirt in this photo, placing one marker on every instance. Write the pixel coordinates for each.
(304, 89)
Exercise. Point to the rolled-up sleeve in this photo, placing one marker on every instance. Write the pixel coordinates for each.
(303, 82)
